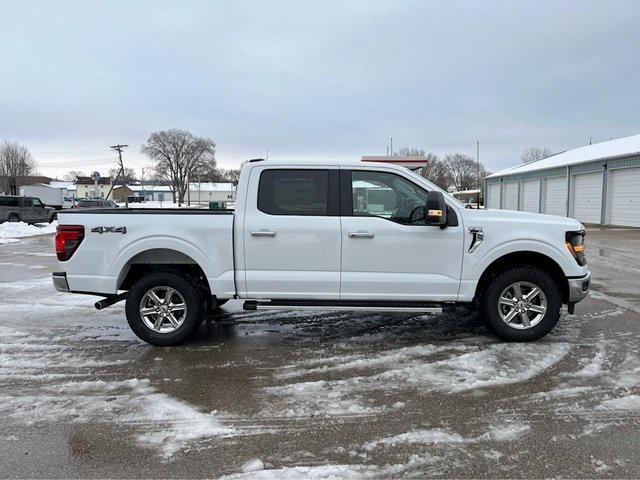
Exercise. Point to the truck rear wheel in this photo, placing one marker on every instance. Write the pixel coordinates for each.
(164, 308)
(13, 218)
(522, 304)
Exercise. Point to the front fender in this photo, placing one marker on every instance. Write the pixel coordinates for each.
(474, 266)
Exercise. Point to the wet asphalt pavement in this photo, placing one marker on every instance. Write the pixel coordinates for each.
(313, 395)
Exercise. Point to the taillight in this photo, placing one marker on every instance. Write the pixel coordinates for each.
(68, 239)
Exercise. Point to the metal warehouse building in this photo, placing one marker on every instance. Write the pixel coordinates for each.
(597, 184)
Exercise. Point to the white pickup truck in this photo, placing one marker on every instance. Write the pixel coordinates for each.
(325, 236)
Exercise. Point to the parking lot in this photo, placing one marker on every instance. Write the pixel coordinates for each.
(294, 394)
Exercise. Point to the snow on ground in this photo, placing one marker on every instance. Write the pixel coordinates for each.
(155, 204)
(12, 232)
(57, 373)
(421, 368)
(369, 395)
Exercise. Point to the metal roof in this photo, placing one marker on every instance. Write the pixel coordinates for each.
(620, 147)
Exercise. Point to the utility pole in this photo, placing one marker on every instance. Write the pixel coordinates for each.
(188, 192)
(392, 146)
(119, 148)
(142, 183)
(478, 170)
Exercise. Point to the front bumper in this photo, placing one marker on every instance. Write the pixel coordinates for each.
(579, 287)
(60, 281)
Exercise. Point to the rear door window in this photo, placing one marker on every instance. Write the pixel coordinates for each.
(9, 202)
(296, 192)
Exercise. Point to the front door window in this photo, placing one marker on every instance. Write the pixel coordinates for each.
(387, 195)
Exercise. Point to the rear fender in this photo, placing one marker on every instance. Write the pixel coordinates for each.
(120, 264)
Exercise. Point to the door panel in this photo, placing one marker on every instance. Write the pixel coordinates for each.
(292, 234)
(587, 197)
(494, 196)
(27, 210)
(511, 196)
(555, 196)
(531, 196)
(624, 188)
(386, 259)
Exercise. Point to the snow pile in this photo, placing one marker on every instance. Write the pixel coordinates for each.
(501, 433)
(11, 232)
(465, 368)
(316, 472)
(156, 204)
(629, 402)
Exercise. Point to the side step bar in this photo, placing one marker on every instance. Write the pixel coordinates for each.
(347, 305)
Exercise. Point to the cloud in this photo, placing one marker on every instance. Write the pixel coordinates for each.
(316, 78)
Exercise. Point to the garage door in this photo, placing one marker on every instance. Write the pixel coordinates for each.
(511, 196)
(555, 196)
(494, 196)
(587, 197)
(625, 197)
(531, 196)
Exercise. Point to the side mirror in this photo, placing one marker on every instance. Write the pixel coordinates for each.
(435, 212)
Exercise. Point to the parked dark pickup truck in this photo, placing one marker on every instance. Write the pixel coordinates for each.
(25, 209)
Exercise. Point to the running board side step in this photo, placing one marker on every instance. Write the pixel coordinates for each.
(347, 305)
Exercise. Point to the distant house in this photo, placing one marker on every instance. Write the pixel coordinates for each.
(211, 192)
(412, 162)
(153, 193)
(120, 193)
(87, 188)
(11, 185)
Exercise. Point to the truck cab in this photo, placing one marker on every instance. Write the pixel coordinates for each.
(327, 235)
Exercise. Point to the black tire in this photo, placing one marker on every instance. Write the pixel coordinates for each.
(13, 218)
(192, 299)
(528, 275)
(53, 217)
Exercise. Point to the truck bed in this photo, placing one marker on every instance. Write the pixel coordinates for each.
(117, 238)
(150, 211)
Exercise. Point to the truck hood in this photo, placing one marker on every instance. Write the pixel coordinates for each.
(489, 214)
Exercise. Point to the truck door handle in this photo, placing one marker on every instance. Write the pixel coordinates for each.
(361, 235)
(263, 233)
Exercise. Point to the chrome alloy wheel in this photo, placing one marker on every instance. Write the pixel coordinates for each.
(522, 305)
(163, 309)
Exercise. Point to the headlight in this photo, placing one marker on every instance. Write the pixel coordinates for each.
(575, 245)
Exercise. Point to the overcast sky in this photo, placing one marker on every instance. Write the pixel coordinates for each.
(305, 79)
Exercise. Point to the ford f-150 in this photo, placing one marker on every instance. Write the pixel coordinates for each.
(325, 235)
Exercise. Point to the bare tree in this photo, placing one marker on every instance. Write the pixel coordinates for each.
(129, 175)
(535, 153)
(232, 175)
(463, 171)
(72, 175)
(179, 156)
(436, 171)
(16, 160)
(409, 152)
(218, 175)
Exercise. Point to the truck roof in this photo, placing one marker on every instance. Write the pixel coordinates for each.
(334, 162)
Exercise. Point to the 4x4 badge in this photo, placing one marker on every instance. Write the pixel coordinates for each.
(122, 230)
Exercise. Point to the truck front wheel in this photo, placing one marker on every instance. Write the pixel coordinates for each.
(164, 308)
(522, 304)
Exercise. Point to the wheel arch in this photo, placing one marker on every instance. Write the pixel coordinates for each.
(520, 259)
(161, 259)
